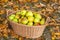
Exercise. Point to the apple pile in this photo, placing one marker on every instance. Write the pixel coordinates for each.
(28, 18)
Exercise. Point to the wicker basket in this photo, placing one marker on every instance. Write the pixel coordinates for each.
(27, 31)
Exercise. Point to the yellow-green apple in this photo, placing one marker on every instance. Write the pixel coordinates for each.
(30, 18)
(29, 13)
(42, 21)
(36, 15)
(23, 12)
(36, 20)
(11, 17)
(24, 20)
(30, 23)
(15, 20)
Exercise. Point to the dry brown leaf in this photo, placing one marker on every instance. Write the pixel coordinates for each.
(34, 0)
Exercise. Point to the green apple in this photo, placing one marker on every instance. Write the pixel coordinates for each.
(30, 18)
(15, 20)
(30, 23)
(18, 12)
(24, 20)
(11, 17)
(23, 12)
(36, 20)
(42, 21)
(29, 13)
(36, 15)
